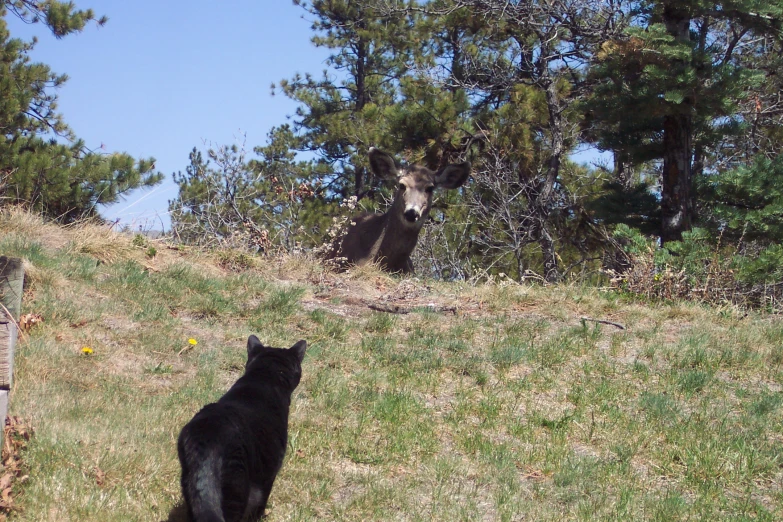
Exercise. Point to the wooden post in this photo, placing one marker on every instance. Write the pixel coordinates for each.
(11, 282)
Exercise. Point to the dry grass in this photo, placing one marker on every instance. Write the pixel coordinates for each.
(511, 408)
(100, 242)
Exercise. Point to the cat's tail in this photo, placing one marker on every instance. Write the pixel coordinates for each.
(202, 490)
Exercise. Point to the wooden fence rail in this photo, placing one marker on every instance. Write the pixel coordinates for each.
(11, 282)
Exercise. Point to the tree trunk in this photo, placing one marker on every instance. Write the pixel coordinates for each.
(676, 200)
(557, 143)
(358, 183)
(677, 180)
(623, 170)
(697, 171)
(547, 244)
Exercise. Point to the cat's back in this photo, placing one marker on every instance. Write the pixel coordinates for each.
(249, 410)
(213, 424)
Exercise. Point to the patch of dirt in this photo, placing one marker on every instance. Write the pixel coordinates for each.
(119, 323)
(345, 299)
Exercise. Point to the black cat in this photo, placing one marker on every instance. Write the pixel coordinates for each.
(231, 450)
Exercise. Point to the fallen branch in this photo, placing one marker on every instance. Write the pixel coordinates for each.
(398, 309)
(389, 309)
(603, 321)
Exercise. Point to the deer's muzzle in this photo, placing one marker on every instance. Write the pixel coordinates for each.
(411, 215)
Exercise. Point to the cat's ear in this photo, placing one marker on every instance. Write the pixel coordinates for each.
(299, 350)
(253, 344)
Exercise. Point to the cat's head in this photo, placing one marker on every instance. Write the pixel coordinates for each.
(287, 360)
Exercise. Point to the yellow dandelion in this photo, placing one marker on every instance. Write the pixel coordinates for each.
(87, 350)
(192, 342)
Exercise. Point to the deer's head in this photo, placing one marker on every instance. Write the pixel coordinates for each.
(415, 185)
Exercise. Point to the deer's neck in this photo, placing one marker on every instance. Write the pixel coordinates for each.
(399, 237)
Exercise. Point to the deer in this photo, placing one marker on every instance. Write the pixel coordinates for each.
(389, 238)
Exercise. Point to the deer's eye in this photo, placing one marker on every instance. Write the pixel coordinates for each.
(430, 189)
(402, 186)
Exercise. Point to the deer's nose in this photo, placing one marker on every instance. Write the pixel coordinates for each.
(411, 215)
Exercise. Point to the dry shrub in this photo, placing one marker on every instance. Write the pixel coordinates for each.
(330, 253)
(236, 260)
(710, 278)
(16, 432)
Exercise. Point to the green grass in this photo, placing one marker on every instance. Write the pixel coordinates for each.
(515, 410)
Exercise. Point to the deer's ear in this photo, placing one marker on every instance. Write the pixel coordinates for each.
(453, 176)
(382, 164)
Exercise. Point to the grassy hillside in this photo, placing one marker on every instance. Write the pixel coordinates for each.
(489, 402)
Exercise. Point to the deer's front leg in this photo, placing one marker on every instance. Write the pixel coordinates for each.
(407, 268)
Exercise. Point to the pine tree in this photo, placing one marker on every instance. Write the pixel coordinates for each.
(42, 164)
(668, 89)
(746, 203)
(758, 122)
(342, 115)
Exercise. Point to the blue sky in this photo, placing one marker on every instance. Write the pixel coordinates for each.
(162, 77)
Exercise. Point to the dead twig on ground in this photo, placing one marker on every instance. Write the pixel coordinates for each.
(603, 321)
